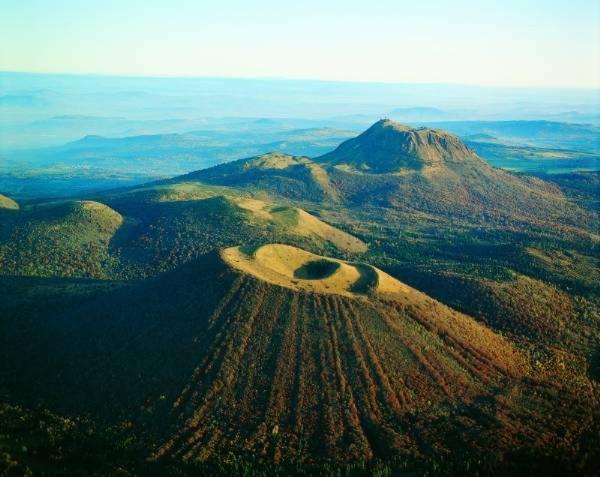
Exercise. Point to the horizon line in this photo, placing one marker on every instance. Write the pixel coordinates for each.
(292, 79)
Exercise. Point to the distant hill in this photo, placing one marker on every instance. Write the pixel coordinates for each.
(122, 155)
(482, 137)
(100, 162)
(577, 117)
(532, 160)
(22, 101)
(389, 147)
(398, 166)
(292, 176)
(547, 134)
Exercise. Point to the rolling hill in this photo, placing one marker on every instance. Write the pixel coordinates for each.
(290, 176)
(59, 239)
(157, 228)
(410, 169)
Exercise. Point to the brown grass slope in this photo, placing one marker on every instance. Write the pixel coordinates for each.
(207, 360)
(294, 268)
(303, 375)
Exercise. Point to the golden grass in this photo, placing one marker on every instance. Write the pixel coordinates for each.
(283, 265)
(257, 207)
(273, 161)
(309, 225)
(304, 224)
(7, 203)
(389, 285)
(104, 210)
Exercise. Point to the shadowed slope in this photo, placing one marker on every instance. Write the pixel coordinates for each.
(225, 362)
(207, 360)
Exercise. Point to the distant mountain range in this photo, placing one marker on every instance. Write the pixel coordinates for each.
(548, 134)
(100, 162)
(392, 165)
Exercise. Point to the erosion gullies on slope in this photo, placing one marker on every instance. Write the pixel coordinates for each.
(220, 361)
(298, 269)
(327, 375)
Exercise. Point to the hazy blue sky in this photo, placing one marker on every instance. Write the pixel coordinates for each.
(509, 42)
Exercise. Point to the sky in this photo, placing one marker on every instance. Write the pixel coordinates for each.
(535, 43)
